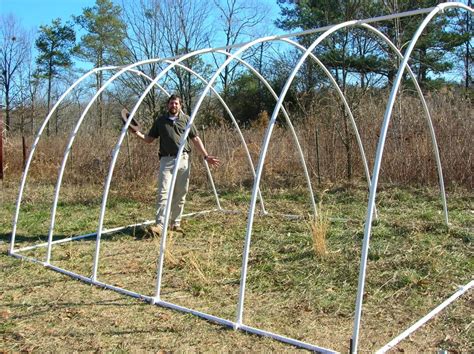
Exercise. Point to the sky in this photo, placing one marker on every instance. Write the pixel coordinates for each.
(34, 13)
(31, 14)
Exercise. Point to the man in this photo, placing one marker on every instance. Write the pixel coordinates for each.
(169, 129)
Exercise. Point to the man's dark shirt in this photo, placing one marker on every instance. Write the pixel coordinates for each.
(170, 132)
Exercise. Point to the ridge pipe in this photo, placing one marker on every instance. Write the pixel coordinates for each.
(320, 29)
(122, 135)
(67, 150)
(262, 160)
(33, 149)
(429, 121)
(378, 161)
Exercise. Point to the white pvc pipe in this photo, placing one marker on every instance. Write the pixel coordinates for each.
(426, 318)
(204, 315)
(117, 148)
(347, 108)
(377, 164)
(262, 161)
(428, 120)
(32, 151)
(115, 229)
(239, 132)
(292, 129)
(288, 340)
(120, 139)
(178, 158)
(64, 162)
(328, 27)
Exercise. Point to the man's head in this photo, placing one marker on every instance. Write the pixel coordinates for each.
(174, 105)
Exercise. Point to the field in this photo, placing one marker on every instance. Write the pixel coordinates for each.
(415, 262)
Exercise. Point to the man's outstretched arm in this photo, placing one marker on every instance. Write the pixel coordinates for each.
(212, 160)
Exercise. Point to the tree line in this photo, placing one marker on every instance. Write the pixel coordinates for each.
(113, 33)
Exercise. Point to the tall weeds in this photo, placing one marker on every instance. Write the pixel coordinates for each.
(408, 154)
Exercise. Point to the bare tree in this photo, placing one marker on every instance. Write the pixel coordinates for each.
(185, 29)
(239, 21)
(15, 48)
(144, 40)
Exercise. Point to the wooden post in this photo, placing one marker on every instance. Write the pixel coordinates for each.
(1, 142)
(318, 167)
(23, 142)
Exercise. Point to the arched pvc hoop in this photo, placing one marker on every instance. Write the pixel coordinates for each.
(263, 154)
(63, 167)
(290, 124)
(33, 149)
(234, 122)
(429, 121)
(157, 299)
(61, 172)
(346, 106)
(377, 164)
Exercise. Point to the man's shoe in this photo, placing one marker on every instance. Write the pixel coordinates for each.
(156, 230)
(177, 228)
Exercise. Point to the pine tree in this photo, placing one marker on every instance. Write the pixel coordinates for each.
(55, 44)
(103, 43)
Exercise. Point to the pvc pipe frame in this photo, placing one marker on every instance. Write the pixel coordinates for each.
(371, 211)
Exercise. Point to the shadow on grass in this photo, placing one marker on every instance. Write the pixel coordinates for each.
(138, 233)
(55, 306)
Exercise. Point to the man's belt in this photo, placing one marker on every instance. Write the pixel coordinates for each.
(170, 155)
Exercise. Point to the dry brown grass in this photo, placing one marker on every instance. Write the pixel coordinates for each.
(408, 155)
(413, 265)
(319, 230)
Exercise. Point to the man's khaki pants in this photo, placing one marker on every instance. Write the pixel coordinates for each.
(165, 175)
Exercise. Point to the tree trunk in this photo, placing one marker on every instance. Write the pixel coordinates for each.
(7, 109)
(48, 101)
(468, 47)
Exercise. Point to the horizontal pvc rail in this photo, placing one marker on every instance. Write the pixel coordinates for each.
(426, 318)
(173, 306)
(377, 164)
(115, 229)
(285, 339)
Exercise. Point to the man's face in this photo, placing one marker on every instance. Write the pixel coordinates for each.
(174, 107)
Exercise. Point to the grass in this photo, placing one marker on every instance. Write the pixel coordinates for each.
(415, 262)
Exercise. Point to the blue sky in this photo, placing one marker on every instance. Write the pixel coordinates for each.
(34, 13)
